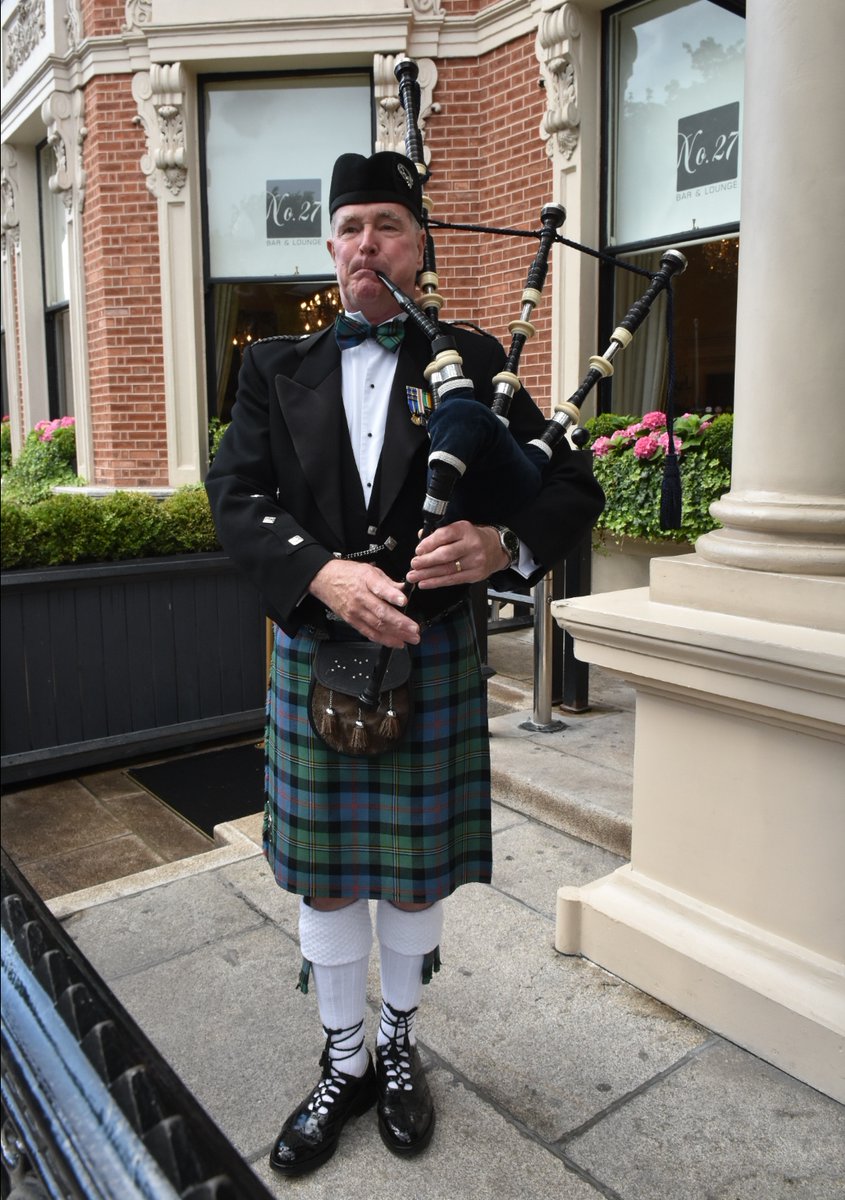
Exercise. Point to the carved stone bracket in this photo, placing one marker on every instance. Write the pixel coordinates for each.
(558, 48)
(9, 219)
(63, 114)
(138, 14)
(160, 96)
(73, 24)
(26, 29)
(390, 115)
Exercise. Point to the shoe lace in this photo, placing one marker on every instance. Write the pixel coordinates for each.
(340, 1045)
(396, 1051)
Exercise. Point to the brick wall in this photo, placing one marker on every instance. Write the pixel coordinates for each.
(102, 17)
(490, 167)
(123, 294)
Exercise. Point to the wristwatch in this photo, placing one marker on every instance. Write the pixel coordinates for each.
(509, 542)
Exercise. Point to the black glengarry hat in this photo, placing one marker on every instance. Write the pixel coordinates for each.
(385, 176)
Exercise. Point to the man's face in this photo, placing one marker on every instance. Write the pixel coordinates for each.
(370, 237)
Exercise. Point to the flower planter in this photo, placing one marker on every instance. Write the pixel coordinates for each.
(109, 661)
(622, 563)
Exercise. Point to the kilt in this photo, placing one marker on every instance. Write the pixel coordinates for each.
(410, 825)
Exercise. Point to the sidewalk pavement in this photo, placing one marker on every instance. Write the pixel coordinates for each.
(553, 1079)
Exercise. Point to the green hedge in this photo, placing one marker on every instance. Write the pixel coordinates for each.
(78, 529)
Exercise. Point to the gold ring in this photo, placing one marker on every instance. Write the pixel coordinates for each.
(458, 565)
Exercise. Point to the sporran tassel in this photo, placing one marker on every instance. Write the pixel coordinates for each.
(359, 734)
(389, 727)
(327, 719)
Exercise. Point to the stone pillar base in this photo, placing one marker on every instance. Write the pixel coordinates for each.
(768, 995)
(731, 909)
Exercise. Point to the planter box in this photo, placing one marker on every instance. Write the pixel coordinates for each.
(622, 563)
(107, 661)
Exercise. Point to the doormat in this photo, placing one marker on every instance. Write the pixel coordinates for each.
(208, 788)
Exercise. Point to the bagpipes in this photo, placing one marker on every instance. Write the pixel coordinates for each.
(472, 449)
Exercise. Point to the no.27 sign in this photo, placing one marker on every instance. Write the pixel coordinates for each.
(708, 150)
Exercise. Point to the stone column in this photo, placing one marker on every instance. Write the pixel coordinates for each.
(786, 507)
(567, 49)
(731, 908)
(63, 113)
(23, 294)
(166, 110)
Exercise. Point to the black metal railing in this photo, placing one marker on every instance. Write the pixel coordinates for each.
(91, 1110)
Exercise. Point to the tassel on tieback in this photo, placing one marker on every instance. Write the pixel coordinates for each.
(671, 496)
(670, 492)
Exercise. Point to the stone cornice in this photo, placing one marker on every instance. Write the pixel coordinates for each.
(424, 28)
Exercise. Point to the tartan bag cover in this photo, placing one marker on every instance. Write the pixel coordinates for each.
(411, 825)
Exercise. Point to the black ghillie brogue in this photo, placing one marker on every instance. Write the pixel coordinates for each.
(310, 1135)
(405, 1108)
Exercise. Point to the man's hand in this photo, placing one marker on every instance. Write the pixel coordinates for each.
(458, 553)
(366, 599)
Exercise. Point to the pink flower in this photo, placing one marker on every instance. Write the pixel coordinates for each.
(654, 420)
(646, 447)
(630, 430)
(67, 422)
(601, 446)
(663, 442)
(621, 437)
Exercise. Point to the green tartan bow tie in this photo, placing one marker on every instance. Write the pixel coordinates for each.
(350, 332)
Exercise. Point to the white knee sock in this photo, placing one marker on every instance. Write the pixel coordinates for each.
(337, 944)
(404, 940)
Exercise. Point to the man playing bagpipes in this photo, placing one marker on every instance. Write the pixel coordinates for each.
(317, 491)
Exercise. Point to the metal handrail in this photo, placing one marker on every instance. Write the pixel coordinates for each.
(91, 1110)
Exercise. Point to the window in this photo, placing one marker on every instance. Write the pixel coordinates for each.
(269, 149)
(56, 267)
(674, 74)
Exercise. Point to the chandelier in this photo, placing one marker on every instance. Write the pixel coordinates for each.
(320, 309)
(722, 256)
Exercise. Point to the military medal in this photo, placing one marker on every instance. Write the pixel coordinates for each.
(420, 404)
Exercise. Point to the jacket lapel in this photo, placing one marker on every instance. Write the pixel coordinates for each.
(313, 410)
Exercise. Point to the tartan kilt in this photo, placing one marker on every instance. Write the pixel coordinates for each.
(410, 825)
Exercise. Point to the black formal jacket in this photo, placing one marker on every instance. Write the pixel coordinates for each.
(285, 491)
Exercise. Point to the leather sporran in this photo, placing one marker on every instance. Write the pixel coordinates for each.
(340, 672)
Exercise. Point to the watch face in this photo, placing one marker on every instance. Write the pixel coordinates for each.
(510, 542)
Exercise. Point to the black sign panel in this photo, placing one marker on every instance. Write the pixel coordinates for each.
(708, 147)
(294, 208)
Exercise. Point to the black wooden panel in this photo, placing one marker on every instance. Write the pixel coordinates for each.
(38, 681)
(97, 658)
(66, 667)
(92, 663)
(14, 699)
(115, 640)
(139, 664)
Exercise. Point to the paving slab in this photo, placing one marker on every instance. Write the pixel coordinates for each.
(723, 1126)
(159, 924)
(551, 1040)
